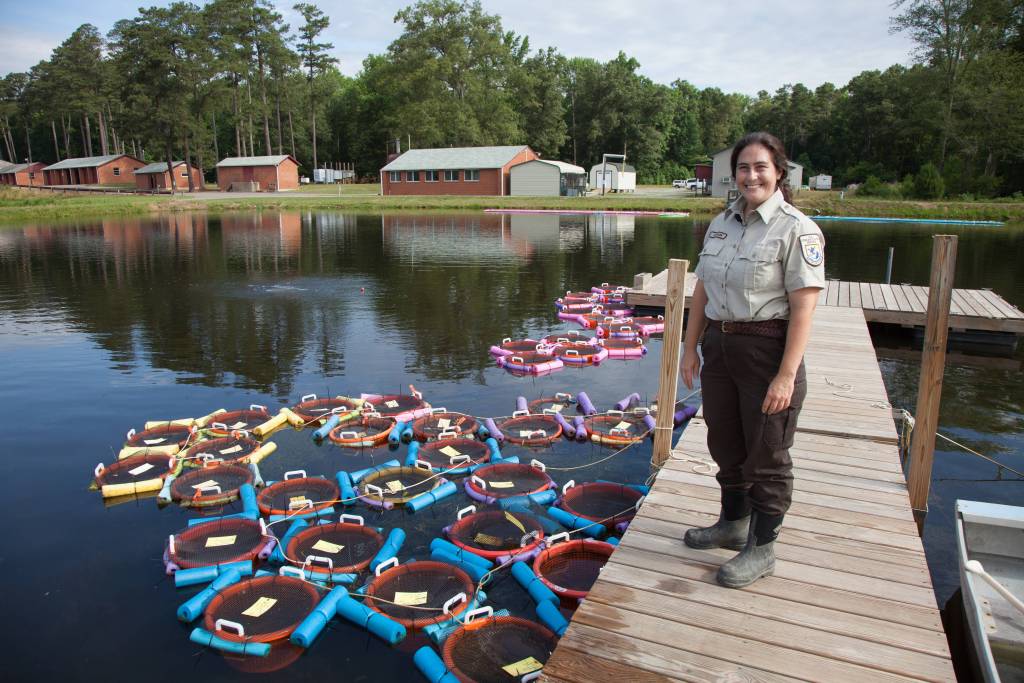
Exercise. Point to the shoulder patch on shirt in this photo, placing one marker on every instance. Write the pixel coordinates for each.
(717, 235)
(810, 248)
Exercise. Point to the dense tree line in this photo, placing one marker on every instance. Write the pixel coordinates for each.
(231, 78)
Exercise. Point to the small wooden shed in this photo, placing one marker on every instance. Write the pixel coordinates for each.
(109, 169)
(155, 176)
(258, 174)
(24, 175)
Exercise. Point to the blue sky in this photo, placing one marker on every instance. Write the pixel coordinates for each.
(739, 46)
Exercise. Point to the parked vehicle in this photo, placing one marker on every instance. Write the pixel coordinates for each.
(821, 182)
(678, 183)
(694, 184)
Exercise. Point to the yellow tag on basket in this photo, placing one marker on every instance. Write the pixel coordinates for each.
(519, 525)
(153, 442)
(327, 547)
(501, 484)
(411, 599)
(239, 425)
(144, 467)
(229, 451)
(299, 502)
(259, 608)
(208, 484)
(391, 404)
(220, 541)
(395, 486)
(444, 423)
(557, 407)
(523, 667)
(451, 452)
(623, 426)
(486, 539)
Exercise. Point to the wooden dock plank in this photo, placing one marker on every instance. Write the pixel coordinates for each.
(901, 298)
(851, 596)
(1008, 310)
(832, 298)
(981, 304)
(855, 298)
(844, 294)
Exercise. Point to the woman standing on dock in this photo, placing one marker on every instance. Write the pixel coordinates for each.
(758, 278)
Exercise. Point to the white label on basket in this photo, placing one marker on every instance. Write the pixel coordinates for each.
(451, 452)
(391, 404)
(557, 407)
(623, 426)
(220, 541)
(395, 486)
(259, 608)
(526, 433)
(209, 483)
(501, 484)
(240, 424)
(519, 525)
(411, 599)
(229, 451)
(153, 442)
(327, 547)
(487, 539)
(444, 423)
(144, 467)
(523, 667)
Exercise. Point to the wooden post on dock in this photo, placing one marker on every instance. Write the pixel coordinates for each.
(933, 361)
(675, 299)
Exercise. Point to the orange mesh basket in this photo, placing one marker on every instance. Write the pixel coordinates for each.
(431, 592)
(217, 542)
(505, 479)
(133, 469)
(480, 649)
(312, 409)
(211, 485)
(391, 405)
(618, 429)
(441, 422)
(164, 435)
(571, 568)
(557, 403)
(447, 454)
(339, 548)
(493, 533)
(226, 448)
(298, 494)
(603, 502)
(364, 432)
(531, 430)
(396, 485)
(237, 420)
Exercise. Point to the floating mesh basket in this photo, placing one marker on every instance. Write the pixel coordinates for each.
(494, 533)
(616, 429)
(211, 485)
(531, 430)
(510, 346)
(140, 473)
(558, 403)
(607, 503)
(607, 288)
(579, 296)
(225, 448)
(262, 610)
(505, 480)
(619, 310)
(570, 568)
(393, 486)
(327, 550)
(497, 649)
(364, 432)
(583, 354)
(649, 324)
(446, 454)
(400, 406)
(312, 409)
(530, 362)
(427, 592)
(576, 305)
(298, 494)
(624, 348)
(569, 337)
(626, 329)
(238, 420)
(165, 439)
(431, 427)
(218, 542)
(590, 321)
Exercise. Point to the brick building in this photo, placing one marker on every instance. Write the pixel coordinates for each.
(155, 176)
(110, 169)
(453, 170)
(24, 175)
(258, 174)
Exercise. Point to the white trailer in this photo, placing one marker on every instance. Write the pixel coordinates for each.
(821, 182)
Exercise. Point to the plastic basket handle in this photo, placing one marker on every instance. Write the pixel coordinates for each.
(528, 538)
(307, 397)
(465, 511)
(263, 527)
(257, 406)
(423, 465)
(454, 600)
(219, 426)
(172, 462)
(479, 482)
(614, 412)
(568, 485)
(355, 519)
(99, 469)
(615, 431)
(240, 433)
(517, 358)
(372, 413)
(640, 410)
(558, 538)
(639, 502)
(370, 488)
(299, 474)
(562, 340)
(530, 677)
(605, 285)
(459, 459)
(291, 571)
(537, 432)
(520, 413)
(368, 407)
(417, 394)
(130, 434)
(506, 340)
(449, 434)
(348, 435)
(211, 489)
(385, 565)
(572, 352)
(170, 544)
(625, 328)
(223, 624)
(564, 397)
(206, 458)
(551, 411)
(319, 559)
(539, 465)
(486, 611)
(338, 410)
(438, 410)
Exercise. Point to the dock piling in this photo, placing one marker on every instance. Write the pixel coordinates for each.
(675, 297)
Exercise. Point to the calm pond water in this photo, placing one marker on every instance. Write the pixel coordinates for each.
(106, 324)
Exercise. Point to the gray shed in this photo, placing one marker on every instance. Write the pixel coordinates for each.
(547, 178)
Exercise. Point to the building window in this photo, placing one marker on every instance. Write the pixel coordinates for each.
(412, 176)
(430, 176)
(31, 176)
(117, 170)
(395, 176)
(471, 175)
(184, 174)
(451, 176)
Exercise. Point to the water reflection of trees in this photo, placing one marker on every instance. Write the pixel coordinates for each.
(246, 299)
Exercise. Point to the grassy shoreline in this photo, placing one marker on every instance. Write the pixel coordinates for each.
(19, 205)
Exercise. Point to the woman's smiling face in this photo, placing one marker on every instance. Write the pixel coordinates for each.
(756, 175)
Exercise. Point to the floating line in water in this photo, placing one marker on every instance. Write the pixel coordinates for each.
(587, 212)
(873, 219)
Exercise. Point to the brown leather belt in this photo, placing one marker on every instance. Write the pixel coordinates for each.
(775, 328)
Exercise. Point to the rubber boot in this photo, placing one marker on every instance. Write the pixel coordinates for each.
(757, 558)
(730, 531)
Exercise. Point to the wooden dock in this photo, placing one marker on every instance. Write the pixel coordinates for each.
(971, 309)
(851, 598)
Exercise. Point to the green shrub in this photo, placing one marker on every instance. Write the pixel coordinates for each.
(929, 184)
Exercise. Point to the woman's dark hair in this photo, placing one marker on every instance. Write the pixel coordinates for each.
(778, 152)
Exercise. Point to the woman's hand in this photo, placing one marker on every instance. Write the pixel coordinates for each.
(690, 367)
(779, 394)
